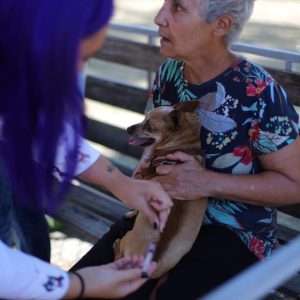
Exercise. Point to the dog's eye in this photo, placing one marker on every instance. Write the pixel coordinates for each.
(147, 126)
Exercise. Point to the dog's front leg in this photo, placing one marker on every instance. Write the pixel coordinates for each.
(136, 241)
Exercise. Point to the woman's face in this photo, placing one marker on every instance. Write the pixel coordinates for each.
(183, 32)
(90, 45)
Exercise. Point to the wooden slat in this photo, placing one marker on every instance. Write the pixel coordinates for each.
(281, 294)
(285, 234)
(82, 222)
(147, 57)
(292, 287)
(129, 53)
(99, 202)
(293, 210)
(290, 82)
(111, 137)
(116, 94)
(89, 213)
(129, 97)
(288, 227)
(290, 290)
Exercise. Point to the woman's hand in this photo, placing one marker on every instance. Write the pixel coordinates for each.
(187, 180)
(148, 197)
(114, 280)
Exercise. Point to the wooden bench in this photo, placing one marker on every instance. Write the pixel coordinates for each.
(89, 212)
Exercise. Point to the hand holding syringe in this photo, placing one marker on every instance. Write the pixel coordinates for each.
(148, 259)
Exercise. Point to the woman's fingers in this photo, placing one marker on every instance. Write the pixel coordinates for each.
(180, 156)
(164, 215)
(176, 156)
(152, 214)
(164, 169)
(132, 267)
(161, 197)
(130, 262)
(157, 206)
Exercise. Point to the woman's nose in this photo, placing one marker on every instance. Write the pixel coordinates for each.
(161, 17)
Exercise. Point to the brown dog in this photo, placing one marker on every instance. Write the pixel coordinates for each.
(166, 130)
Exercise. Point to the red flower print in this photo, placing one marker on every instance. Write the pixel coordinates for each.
(251, 90)
(254, 132)
(261, 86)
(245, 153)
(256, 89)
(257, 247)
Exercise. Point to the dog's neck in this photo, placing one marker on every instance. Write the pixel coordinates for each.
(185, 141)
(148, 153)
(171, 144)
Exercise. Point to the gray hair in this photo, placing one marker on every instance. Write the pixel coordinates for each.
(239, 10)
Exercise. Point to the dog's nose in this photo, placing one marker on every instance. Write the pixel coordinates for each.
(131, 129)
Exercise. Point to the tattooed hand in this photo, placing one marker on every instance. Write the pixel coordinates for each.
(114, 280)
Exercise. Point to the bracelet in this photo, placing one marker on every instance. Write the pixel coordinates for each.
(82, 285)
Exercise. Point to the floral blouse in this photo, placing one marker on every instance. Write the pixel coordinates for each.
(244, 114)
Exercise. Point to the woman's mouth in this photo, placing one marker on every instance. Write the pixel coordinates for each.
(164, 40)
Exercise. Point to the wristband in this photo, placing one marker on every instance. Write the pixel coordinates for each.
(82, 284)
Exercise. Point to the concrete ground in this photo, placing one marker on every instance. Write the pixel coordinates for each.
(66, 250)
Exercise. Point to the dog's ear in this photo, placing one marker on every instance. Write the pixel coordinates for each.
(189, 106)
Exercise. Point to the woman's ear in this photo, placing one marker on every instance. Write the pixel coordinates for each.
(223, 25)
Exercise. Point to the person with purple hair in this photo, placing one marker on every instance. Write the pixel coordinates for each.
(43, 47)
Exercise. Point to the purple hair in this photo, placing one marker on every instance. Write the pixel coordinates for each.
(39, 52)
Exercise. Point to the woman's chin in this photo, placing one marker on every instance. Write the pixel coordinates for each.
(167, 52)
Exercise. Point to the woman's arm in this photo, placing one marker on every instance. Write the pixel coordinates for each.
(146, 196)
(278, 185)
(25, 277)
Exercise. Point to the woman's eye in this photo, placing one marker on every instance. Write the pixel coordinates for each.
(177, 7)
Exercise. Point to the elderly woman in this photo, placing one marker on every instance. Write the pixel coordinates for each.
(249, 138)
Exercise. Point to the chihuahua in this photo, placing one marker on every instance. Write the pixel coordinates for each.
(166, 130)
